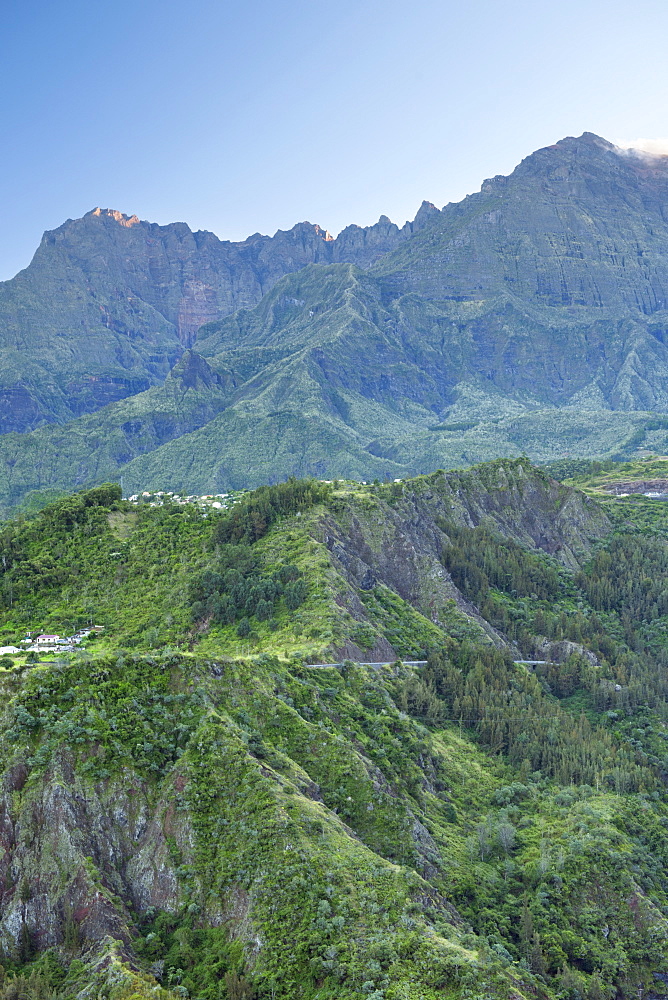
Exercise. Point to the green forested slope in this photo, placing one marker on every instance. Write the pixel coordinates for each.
(338, 384)
(243, 823)
(96, 447)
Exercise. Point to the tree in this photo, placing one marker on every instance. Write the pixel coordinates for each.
(506, 834)
(263, 610)
(295, 594)
(26, 944)
(238, 988)
(484, 834)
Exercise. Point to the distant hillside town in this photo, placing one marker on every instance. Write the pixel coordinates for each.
(219, 501)
(49, 643)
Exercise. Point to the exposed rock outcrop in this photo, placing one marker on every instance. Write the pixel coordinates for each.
(400, 546)
(558, 652)
(71, 855)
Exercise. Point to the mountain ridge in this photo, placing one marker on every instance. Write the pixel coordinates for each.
(539, 302)
(109, 302)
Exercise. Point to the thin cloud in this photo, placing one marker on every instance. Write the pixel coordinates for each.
(651, 147)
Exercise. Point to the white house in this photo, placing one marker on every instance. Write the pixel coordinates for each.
(45, 642)
(9, 650)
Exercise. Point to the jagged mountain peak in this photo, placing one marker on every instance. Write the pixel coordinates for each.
(301, 230)
(426, 214)
(641, 148)
(586, 139)
(112, 213)
(591, 155)
(109, 302)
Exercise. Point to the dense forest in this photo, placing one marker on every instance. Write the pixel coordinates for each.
(473, 826)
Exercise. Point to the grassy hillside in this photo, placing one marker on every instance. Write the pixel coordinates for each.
(244, 823)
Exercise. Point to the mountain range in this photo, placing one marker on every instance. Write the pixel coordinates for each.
(532, 317)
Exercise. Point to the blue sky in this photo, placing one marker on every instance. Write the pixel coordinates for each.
(245, 117)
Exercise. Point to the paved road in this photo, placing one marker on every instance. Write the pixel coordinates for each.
(408, 663)
(385, 663)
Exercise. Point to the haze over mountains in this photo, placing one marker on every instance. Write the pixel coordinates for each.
(530, 317)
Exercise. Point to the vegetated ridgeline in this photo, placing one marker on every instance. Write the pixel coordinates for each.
(530, 318)
(188, 809)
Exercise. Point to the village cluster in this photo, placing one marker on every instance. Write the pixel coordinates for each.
(44, 643)
(219, 501)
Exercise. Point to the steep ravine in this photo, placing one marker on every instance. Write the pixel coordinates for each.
(399, 544)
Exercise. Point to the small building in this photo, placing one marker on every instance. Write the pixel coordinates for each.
(9, 650)
(43, 643)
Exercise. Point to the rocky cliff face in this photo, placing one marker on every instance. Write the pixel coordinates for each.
(76, 856)
(580, 223)
(401, 546)
(109, 303)
(211, 845)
